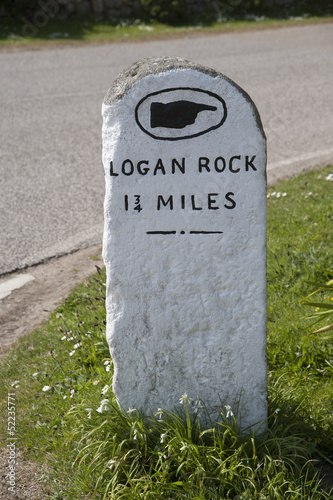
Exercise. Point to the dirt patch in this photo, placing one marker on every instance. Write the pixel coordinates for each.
(30, 480)
(29, 306)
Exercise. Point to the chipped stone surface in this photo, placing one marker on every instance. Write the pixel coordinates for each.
(185, 239)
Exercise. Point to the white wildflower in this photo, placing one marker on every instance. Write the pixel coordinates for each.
(64, 397)
(183, 399)
(163, 436)
(105, 390)
(89, 410)
(159, 413)
(35, 374)
(46, 388)
(146, 28)
(76, 346)
(329, 177)
(278, 195)
(70, 338)
(197, 406)
(71, 353)
(63, 338)
(103, 405)
(95, 382)
(107, 368)
(284, 194)
(107, 362)
(229, 411)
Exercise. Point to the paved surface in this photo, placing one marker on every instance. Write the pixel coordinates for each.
(51, 181)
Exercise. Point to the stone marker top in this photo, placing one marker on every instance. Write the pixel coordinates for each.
(184, 245)
(158, 65)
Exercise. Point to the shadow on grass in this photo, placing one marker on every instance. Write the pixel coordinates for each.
(292, 408)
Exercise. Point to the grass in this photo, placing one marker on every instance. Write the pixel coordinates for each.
(66, 413)
(90, 30)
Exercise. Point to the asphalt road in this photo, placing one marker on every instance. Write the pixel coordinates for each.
(52, 181)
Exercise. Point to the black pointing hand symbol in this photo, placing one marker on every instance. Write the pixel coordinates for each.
(177, 114)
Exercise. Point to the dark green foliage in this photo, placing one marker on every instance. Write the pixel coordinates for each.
(173, 12)
(274, 8)
(18, 8)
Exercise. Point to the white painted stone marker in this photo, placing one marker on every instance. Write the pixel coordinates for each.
(185, 239)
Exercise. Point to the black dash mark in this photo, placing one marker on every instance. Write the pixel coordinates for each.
(161, 232)
(177, 114)
(206, 232)
(183, 232)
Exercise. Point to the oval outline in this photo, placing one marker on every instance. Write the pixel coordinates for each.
(185, 136)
